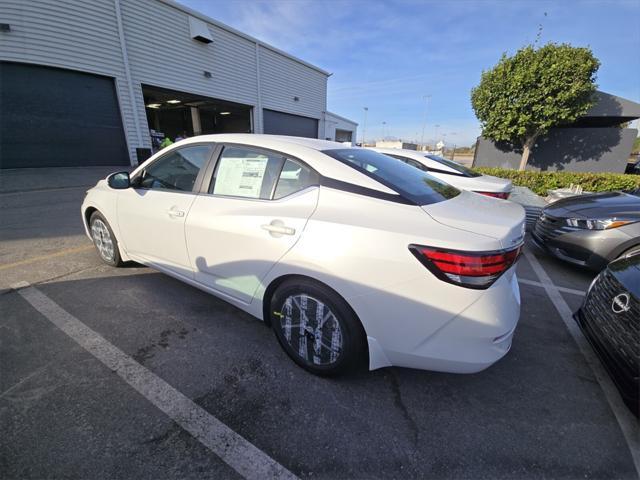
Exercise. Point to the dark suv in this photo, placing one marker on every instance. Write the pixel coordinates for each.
(610, 319)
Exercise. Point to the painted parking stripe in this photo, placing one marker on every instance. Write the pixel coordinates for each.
(233, 449)
(627, 422)
(60, 253)
(572, 291)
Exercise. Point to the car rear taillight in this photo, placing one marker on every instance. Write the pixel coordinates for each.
(502, 195)
(467, 269)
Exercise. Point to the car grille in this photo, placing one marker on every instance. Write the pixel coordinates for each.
(548, 227)
(532, 213)
(621, 331)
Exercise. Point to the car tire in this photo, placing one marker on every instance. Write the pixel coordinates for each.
(334, 345)
(104, 240)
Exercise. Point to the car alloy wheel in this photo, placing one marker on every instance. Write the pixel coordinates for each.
(311, 329)
(102, 240)
(316, 327)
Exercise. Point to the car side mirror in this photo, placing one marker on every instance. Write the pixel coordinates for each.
(119, 180)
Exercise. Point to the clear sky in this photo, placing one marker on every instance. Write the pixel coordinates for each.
(387, 55)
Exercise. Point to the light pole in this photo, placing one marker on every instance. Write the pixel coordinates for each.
(364, 125)
(383, 130)
(453, 152)
(424, 121)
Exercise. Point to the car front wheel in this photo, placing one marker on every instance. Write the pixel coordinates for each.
(316, 328)
(104, 240)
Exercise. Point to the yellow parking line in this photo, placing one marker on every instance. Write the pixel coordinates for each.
(60, 253)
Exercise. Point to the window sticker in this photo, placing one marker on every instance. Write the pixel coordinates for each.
(240, 177)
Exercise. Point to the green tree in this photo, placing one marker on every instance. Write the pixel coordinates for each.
(525, 95)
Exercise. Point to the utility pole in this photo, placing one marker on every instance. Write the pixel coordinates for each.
(364, 126)
(424, 121)
(453, 152)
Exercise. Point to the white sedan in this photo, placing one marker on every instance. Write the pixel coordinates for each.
(349, 255)
(452, 172)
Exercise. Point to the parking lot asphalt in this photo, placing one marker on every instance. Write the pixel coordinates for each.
(538, 413)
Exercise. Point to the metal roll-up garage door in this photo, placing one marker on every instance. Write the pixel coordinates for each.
(279, 123)
(58, 118)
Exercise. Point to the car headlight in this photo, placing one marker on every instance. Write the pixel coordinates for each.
(597, 224)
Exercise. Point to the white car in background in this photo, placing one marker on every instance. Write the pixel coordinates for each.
(452, 172)
(346, 253)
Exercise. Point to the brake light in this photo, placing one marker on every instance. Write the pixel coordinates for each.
(467, 269)
(502, 195)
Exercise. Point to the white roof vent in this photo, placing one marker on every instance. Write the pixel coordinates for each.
(199, 30)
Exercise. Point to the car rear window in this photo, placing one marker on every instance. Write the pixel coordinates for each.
(413, 184)
(467, 172)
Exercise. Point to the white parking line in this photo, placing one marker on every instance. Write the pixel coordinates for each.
(572, 291)
(627, 422)
(237, 452)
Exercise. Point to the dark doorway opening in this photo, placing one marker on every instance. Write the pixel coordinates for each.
(344, 135)
(175, 114)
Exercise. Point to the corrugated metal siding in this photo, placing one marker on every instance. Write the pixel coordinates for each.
(283, 79)
(83, 35)
(162, 53)
(73, 34)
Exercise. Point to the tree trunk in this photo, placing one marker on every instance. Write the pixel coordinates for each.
(528, 145)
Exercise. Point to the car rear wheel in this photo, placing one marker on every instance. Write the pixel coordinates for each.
(317, 328)
(104, 240)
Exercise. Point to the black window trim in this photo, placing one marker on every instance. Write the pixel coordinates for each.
(365, 191)
(398, 198)
(199, 178)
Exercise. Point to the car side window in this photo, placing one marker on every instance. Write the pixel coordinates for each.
(177, 170)
(247, 172)
(293, 178)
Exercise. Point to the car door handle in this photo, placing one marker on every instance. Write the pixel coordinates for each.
(278, 229)
(175, 213)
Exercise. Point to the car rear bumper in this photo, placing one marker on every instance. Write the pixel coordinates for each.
(467, 342)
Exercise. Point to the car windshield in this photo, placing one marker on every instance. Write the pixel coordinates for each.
(413, 184)
(467, 172)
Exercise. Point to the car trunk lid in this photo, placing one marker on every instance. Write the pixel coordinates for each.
(479, 214)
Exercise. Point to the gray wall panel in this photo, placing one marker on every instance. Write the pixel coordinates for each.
(572, 149)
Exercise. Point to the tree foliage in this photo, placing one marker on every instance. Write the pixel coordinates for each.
(525, 95)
